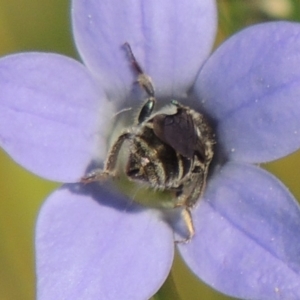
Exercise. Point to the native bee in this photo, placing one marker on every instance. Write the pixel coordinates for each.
(167, 151)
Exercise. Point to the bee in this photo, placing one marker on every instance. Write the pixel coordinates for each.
(168, 151)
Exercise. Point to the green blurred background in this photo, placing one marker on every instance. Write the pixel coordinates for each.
(44, 25)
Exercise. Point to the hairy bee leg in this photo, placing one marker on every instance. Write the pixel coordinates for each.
(184, 200)
(188, 220)
(198, 189)
(110, 164)
(95, 175)
(112, 158)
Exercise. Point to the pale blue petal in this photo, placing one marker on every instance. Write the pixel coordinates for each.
(250, 87)
(247, 241)
(170, 39)
(91, 245)
(53, 115)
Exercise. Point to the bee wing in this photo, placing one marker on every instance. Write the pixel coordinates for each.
(178, 131)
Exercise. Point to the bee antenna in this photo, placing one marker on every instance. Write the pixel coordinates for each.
(143, 79)
(133, 59)
(146, 110)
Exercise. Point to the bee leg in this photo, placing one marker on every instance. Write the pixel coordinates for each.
(95, 175)
(110, 164)
(113, 154)
(188, 220)
(183, 201)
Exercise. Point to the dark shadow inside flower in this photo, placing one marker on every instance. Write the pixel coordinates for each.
(104, 195)
(108, 195)
(129, 197)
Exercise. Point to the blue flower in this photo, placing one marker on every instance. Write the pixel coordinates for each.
(55, 117)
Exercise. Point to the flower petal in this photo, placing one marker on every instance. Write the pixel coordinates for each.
(247, 241)
(251, 88)
(53, 115)
(170, 39)
(92, 245)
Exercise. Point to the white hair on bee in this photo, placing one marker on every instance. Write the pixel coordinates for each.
(121, 111)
